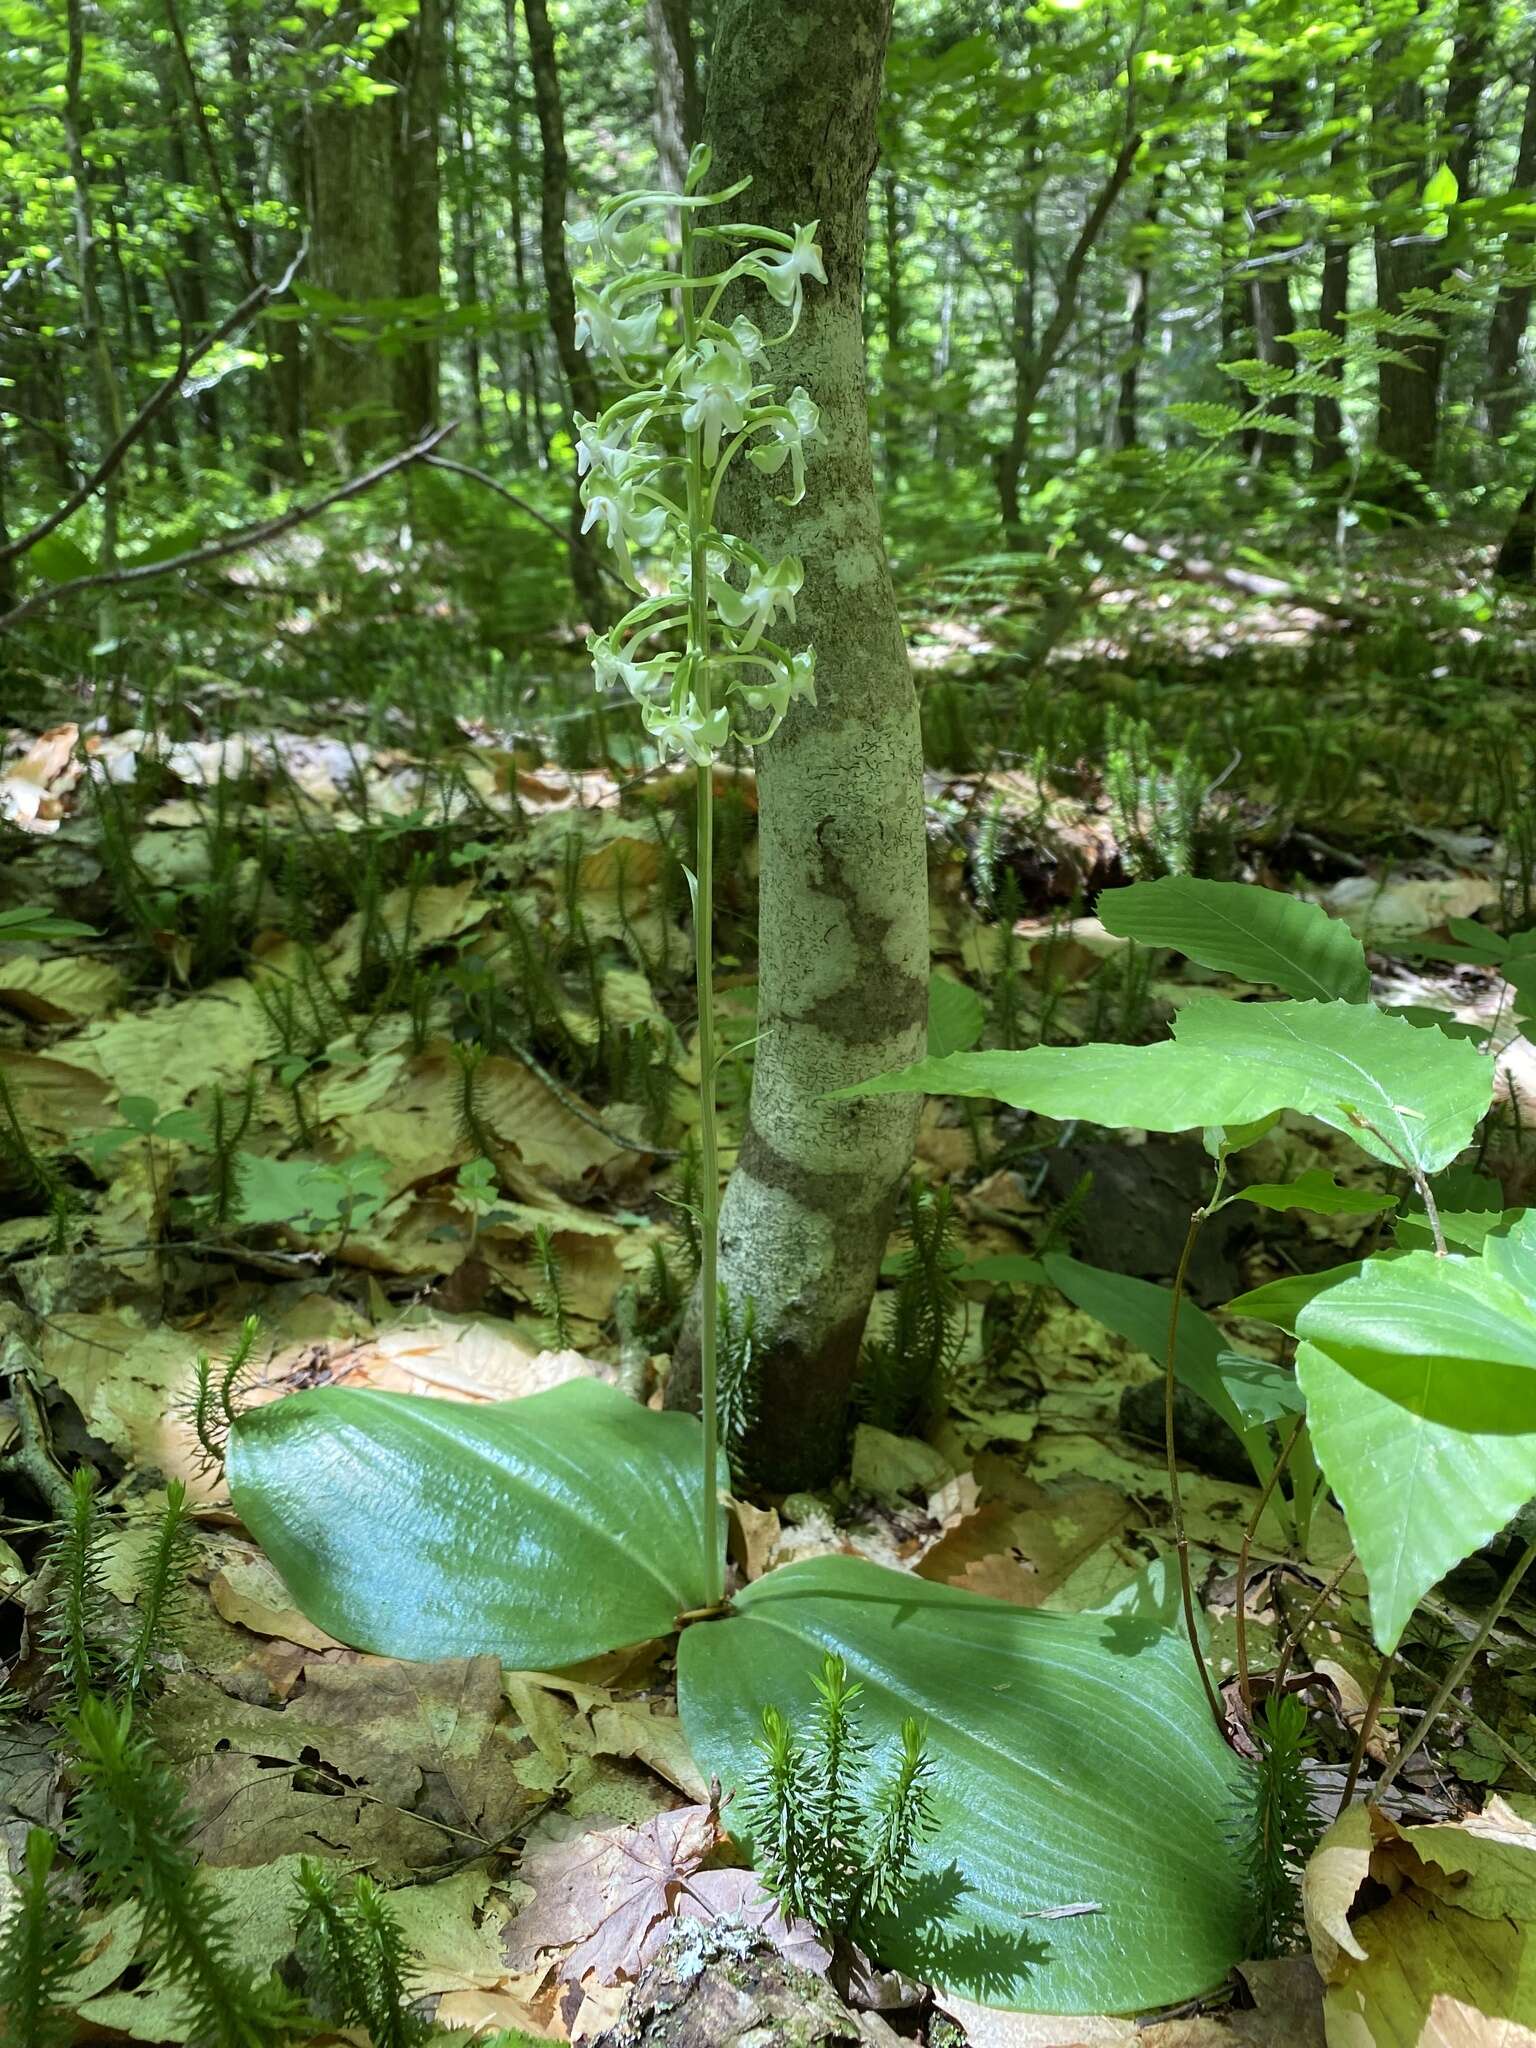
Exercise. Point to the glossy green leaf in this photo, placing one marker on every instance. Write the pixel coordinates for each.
(1005, 1269)
(1257, 934)
(1281, 1301)
(1348, 1064)
(538, 1531)
(956, 1015)
(1243, 1391)
(1420, 1380)
(1511, 1252)
(1423, 1093)
(1075, 1763)
(1317, 1191)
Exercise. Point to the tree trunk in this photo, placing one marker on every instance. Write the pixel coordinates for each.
(580, 378)
(894, 314)
(1237, 337)
(193, 269)
(530, 396)
(1033, 366)
(1125, 425)
(93, 333)
(1274, 240)
(1408, 394)
(412, 61)
(669, 32)
(843, 895)
(466, 218)
(1512, 309)
(1328, 446)
(374, 223)
(353, 256)
(1516, 561)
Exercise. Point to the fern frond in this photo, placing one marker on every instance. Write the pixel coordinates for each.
(72, 1632)
(162, 1589)
(736, 1374)
(1277, 1829)
(130, 1832)
(41, 1948)
(472, 1126)
(550, 1300)
(903, 1818)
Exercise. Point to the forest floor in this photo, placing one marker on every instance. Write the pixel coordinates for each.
(240, 1095)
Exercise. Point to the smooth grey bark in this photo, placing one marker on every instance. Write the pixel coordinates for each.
(794, 86)
(669, 33)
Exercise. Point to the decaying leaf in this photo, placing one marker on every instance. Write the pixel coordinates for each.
(1439, 1952)
(606, 1894)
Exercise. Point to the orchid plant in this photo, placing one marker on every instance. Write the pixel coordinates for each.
(696, 651)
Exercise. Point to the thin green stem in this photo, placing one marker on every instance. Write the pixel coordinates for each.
(1250, 1530)
(1175, 1497)
(1458, 1670)
(704, 975)
(1367, 1722)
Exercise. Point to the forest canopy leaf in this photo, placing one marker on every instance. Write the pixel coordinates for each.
(1074, 1760)
(1420, 1380)
(1241, 929)
(540, 1531)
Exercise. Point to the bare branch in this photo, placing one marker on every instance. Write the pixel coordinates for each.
(232, 543)
(150, 411)
(479, 476)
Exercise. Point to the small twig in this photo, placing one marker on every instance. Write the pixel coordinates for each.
(1175, 1498)
(1458, 1670)
(1367, 1723)
(480, 476)
(34, 1457)
(1295, 1636)
(1249, 1532)
(233, 543)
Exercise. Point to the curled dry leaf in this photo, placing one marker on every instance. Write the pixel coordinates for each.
(1446, 1959)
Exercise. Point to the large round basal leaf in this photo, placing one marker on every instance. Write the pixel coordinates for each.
(1348, 1064)
(538, 1531)
(1258, 934)
(1420, 1381)
(1075, 1763)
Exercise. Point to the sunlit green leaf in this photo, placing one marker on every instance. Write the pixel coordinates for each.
(1075, 1763)
(538, 1531)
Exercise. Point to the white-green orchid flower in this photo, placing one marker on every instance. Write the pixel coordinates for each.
(615, 334)
(646, 681)
(802, 675)
(784, 273)
(748, 337)
(686, 728)
(789, 439)
(624, 522)
(604, 241)
(770, 594)
(613, 456)
(716, 381)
